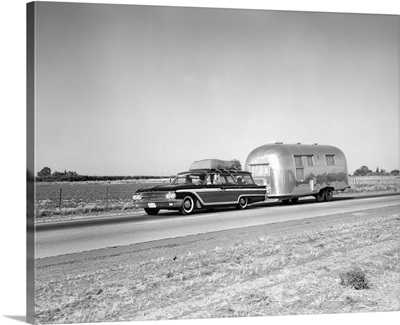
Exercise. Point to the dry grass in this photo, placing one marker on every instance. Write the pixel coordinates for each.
(84, 199)
(304, 270)
(368, 184)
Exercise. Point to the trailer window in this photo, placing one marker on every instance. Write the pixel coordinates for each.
(330, 160)
(310, 160)
(260, 170)
(298, 161)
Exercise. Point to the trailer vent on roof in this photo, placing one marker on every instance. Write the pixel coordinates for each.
(298, 142)
(315, 144)
(278, 142)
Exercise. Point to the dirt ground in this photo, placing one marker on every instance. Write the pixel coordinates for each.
(290, 268)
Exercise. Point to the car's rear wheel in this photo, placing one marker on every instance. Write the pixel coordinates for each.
(320, 196)
(151, 212)
(243, 203)
(187, 205)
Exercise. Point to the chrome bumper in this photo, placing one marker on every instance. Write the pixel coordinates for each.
(175, 204)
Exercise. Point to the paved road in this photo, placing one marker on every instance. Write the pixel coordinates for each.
(73, 237)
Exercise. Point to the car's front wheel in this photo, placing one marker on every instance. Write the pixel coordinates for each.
(187, 205)
(242, 204)
(151, 212)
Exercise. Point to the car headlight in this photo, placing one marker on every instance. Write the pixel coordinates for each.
(136, 197)
(170, 196)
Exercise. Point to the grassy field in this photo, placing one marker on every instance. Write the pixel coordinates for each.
(89, 198)
(374, 184)
(334, 264)
(84, 198)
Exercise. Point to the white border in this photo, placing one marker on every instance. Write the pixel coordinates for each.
(13, 156)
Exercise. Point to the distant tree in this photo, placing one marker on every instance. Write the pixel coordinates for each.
(57, 174)
(395, 172)
(362, 171)
(377, 171)
(236, 164)
(45, 172)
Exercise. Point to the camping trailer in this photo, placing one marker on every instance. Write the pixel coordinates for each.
(290, 171)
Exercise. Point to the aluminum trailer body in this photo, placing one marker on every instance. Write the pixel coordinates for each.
(290, 171)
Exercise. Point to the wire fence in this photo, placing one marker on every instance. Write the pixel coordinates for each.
(85, 198)
(374, 180)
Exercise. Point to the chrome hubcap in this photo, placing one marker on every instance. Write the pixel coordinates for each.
(188, 204)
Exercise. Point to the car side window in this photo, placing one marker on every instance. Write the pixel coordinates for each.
(227, 180)
(213, 179)
(244, 180)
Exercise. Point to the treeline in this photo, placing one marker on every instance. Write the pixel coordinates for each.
(365, 171)
(88, 178)
(45, 175)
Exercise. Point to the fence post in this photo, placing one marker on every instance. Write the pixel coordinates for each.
(60, 196)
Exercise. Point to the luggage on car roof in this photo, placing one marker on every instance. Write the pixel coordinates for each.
(211, 164)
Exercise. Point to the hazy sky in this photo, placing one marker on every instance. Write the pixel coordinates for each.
(127, 90)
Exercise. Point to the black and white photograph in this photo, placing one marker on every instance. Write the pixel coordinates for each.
(210, 163)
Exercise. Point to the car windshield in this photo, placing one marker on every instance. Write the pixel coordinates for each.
(189, 178)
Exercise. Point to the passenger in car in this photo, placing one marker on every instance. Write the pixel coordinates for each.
(217, 180)
(202, 179)
(210, 179)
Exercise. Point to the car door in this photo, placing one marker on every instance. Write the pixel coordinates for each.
(248, 188)
(212, 193)
(230, 189)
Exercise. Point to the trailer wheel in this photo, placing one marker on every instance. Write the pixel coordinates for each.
(187, 205)
(294, 200)
(151, 212)
(243, 202)
(285, 201)
(328, 194)
(320, 196)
